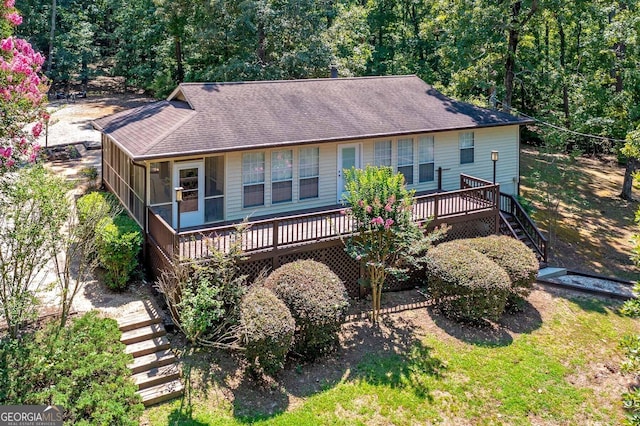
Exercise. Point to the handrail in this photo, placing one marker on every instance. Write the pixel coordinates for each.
(276, 233)
(509, 229)
(467, 181)
(509, 204)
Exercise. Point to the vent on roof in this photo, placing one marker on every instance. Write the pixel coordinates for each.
(334, 71)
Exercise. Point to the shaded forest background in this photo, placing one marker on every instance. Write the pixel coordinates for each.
(573, 63)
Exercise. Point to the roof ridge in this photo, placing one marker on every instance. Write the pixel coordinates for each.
(299, 80)
(169, 131)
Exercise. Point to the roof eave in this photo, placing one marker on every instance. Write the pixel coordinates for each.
(180, 154)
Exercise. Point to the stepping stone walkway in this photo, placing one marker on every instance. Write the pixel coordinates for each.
(154, 367)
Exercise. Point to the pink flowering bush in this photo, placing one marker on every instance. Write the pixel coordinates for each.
(387, 239)
(21, 94)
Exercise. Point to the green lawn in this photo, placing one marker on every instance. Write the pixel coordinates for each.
(551, 372)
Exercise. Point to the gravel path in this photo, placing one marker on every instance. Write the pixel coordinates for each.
(71, 124)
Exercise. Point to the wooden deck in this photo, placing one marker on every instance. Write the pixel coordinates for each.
(475, 197)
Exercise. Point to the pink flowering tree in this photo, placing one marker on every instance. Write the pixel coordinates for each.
(22, 89)
(387, 240)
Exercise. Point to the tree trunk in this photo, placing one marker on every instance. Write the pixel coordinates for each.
(627, 184)
(516, 24)
(563, 54)
(261, 52)
(52, 34)
(178, 53)
(509, 68)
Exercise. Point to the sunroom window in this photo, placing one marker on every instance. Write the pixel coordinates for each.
(253, 179)
(281, 176)
(425, 159)
(309, 172)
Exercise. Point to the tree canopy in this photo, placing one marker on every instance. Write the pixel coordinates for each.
(571, 63)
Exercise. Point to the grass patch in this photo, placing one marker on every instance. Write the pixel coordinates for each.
(530, 379)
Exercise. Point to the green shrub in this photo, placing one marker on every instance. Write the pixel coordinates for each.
(317, 300)
(119, 241)
(515, 258)
(267, 329)
(84, 369)
(631, 400)
(96, 204)
(465, 283)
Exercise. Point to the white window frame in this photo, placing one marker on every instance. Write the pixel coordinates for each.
(382, 153)
(426, 155)
(253, 174)
(403, 160)
(467, 143)
(309, 171)
(282, 172)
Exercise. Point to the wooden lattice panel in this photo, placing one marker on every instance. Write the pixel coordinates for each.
(471, 229)
(253, 268)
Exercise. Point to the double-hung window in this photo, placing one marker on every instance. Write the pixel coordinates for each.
(405, 159)
(467, 148)
(309, 163)
(281, 176)
(253, 179)
(425, 159)
(382, 153)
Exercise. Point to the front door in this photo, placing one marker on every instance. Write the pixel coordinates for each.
(189, 176)
(348, 157)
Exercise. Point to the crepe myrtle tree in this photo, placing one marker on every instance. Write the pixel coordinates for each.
(387, 241)
(22, 88)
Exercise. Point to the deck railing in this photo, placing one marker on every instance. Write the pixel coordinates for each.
(163, 235)
(273, 234)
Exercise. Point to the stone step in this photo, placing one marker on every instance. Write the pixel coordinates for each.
(160, 393)
(147, 346)
(131, 322)
(153, 360)
(143, 333)
(156, 376)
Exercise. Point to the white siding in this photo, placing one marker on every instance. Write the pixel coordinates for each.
(504, 139)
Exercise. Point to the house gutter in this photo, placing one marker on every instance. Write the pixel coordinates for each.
(178, 154)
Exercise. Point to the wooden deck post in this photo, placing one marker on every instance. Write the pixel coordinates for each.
(496, 207)
(274, 245)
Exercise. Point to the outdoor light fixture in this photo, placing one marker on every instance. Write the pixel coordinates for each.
(494, 158)
(178, 190)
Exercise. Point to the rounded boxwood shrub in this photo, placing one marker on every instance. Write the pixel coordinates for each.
(119, 241)
(266, 329)
(317, 300)
(514, 257)
(465, 283)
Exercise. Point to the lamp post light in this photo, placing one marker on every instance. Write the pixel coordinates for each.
(494, 158)
(178, 191)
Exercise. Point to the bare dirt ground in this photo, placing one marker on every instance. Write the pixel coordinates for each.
(595, 230)
(217, 378)
(71, 124)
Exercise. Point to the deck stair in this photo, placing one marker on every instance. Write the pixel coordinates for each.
(155, 368)
(515, 221)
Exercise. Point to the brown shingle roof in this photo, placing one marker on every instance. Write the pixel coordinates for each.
(234, 116)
